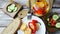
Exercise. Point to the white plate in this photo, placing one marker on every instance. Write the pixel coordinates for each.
(42, 28)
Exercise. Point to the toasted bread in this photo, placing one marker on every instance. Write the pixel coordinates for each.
(23, 27)
(27, 31)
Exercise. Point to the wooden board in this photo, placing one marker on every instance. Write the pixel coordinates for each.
(13, 13)
(23, 13)
(13, 26)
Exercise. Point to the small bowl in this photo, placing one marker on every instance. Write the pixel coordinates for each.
(10, 5)
(51, 29)
(49, 6)
(19, 6)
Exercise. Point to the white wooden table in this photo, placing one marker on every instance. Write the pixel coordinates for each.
(1, 29)
(5, 19)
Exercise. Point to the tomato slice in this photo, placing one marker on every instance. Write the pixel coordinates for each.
(38, 11)
(53, 25)
(52, 22)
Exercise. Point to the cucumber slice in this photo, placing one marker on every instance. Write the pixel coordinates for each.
(13, 5)
(55, 17)
(15, 9)
(57, 25)
(9, 10)
(47, 19)
(12, 8)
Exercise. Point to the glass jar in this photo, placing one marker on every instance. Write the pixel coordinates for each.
(41, 7)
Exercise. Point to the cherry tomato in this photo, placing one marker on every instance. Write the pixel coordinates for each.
(53, 25)
(52, 22)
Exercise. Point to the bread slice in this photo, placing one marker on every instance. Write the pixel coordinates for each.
(23, 27)
(27, 31)
(12, 28)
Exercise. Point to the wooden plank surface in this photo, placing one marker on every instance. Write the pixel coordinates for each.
(1, 29)
(5, 19)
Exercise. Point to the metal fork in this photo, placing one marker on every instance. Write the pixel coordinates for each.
(29, 15)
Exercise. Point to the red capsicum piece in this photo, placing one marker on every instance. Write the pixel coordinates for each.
(38, 11)
(34, 24)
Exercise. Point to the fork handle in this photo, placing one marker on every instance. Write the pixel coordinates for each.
(29, 6)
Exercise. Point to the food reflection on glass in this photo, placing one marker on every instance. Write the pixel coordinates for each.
(31, 28)
(12, 8)
(53, 21)
(40, 8)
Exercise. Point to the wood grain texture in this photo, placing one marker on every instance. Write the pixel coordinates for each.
(12, 27)
(4, 19)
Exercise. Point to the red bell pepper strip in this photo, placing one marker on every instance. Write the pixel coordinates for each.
(39, 11)
(34, 24)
